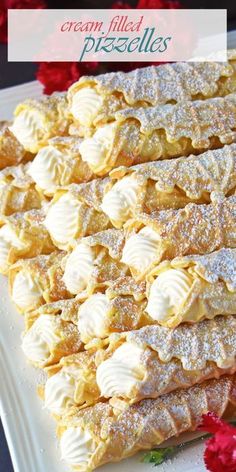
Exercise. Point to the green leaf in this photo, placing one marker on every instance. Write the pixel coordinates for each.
(158, 456)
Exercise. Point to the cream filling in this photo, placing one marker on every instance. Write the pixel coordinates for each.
(62, 220)
(118, 375)
(48, 169)
(77, 446)
(141, 249)
(39, 340)
(86, 104)
(28, 128)
(92, 317)
(121, 199)
(79, 267)
(168, 293)
(8, 239)
(60, 390)
(26, 293)
(95, 150)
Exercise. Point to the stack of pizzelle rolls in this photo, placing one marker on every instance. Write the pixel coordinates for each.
(118, 236)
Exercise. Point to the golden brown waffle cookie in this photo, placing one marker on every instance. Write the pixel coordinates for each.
(32, 282)
(17, 191)
(102, 433)
(36, 121)
(49, 339)
(196, 229)
(93, 101)
(130, 370)
(59, 164)
(23, 235)
(11, 151)
(146, 134)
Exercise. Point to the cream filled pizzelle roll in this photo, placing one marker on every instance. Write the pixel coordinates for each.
(23, 235)
(11, 150)
(140, 135)
(59, 164)
(17, 191)
(93, 101)
(68, 218)
(190, 288)
(169, 184)
(49, 339)
(94, 262)
(71, 382)
(195, 229)
(155, 360)
(32, 282)
(104, 313)
(102, 433)
(36, 121)
(186, 289)
(155, 185)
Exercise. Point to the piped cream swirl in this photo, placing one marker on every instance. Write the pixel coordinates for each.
(77, 446)
(168, 293)
(85, 106)
(39, 340)
(118, 375)
(60, 390)
(79, 267)
(141, 249)
(93, 317)
(48, 169)
(120, 200)
(95, 151)
(28, 128)
(62, 220)
(26, 293)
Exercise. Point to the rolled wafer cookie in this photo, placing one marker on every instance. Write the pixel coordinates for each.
(36, 121)
(186, 289)
(32, 282)
(102, 433)
(59, 164)
(131, 370)
(17, 191)
(49, 339)
(93, 101)
(94, 263)
(152, 186)
(161, 185)
(195, 229)
(147, 134)
(68, 218)
(190, 288)
(11, 151)
(23, 235)
(148, 240)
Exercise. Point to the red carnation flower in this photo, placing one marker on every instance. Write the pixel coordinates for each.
(59, 76)
(3, 22)
(26, 4)
(220, 452)
(158, 4)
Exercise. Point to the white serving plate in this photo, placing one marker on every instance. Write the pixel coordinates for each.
(29, 430)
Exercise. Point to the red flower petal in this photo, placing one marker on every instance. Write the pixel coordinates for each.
(26, 4)
(158, 4)
(59, 76)
(3, 22)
